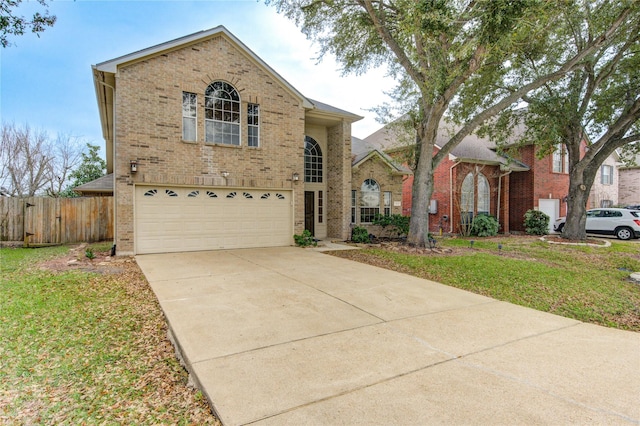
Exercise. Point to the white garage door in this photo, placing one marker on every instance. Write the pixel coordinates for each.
(170, 219)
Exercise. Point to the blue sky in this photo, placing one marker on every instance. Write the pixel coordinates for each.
(47, 82)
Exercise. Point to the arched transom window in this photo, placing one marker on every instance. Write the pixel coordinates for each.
(369, 200)
(222, 114)
(312, 161)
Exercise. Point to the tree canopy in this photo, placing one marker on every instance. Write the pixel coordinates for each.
(13, 24)
(596, 106)
(436, 49)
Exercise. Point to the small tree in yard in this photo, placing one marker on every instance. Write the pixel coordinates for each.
(91, 168)
(536, 222)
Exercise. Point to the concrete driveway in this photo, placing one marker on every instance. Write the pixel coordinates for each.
(293, 336)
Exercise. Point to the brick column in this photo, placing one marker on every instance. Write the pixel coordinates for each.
(339, 180)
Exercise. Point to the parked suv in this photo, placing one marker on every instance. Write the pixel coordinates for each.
(622, 223)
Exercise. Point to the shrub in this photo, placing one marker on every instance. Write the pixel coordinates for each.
(360, 235)
(305, 240)
(89, 254)
(536, 222)
(397, 223)
(484, 226)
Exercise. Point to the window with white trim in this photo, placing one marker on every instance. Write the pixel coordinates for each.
(483, 195)
(222, 114)
(312, 161)
(387, 203)
(467, 198)
(471, 204)
(253, 125)
(189, 116)
(560, 160)
(369, 200)
(606, 175)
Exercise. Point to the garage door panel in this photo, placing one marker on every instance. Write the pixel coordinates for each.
(188, 219)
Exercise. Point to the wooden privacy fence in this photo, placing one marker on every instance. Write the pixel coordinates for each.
(40, 220)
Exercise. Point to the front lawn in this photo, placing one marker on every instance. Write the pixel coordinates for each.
(589, 284)
(86, 345)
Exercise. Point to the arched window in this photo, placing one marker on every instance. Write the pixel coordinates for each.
(222, 114)
(469, 205)
(369, 200)
(467, 198)
(312, 161)
(483, 195)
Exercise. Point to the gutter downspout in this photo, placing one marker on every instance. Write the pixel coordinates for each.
(113, 135)
(451, 196)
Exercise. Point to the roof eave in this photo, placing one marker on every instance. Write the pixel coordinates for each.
(111, 66)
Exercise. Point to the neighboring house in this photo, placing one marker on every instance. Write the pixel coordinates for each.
(210, 148)
(474, 179)
(605, 189)
(629, 184)
(376, 185)
(101, 187)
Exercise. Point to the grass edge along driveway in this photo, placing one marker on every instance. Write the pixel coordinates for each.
(589, 284)
(81, 347)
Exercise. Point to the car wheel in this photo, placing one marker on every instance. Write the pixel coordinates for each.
(624, 233)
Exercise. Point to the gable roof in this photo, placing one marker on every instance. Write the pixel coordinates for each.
(472, 149)
(103, 184)
(105, 82)
(361, 152)
(111, 66)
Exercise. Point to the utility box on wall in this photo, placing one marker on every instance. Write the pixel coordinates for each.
(433, 207)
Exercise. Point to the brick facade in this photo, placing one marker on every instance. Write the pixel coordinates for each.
(447, 217)
(605, 194)
(377, 169)
(148, 129)
(629, 186)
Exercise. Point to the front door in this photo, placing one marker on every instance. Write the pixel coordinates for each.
(309, 211)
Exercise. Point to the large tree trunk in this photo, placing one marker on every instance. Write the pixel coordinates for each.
(574, 227)
(423, 179)
(420, 197)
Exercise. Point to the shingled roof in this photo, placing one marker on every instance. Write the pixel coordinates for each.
(102, 185)
(472, 149)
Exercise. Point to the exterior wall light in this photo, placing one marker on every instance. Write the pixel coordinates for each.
(224, 174)
(295, 177)
(133, 165)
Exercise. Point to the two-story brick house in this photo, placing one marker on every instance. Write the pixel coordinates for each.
(211, 148)
(474, 179)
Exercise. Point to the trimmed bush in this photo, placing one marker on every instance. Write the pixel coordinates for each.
(536, 222)
(484, 226)
(360, 235)
(396, 222)
(305, 240)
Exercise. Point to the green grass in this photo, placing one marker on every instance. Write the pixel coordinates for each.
(585, 283)
(86, 348)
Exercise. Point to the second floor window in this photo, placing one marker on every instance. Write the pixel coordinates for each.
(222, 114)
(253, 125)
(189, 116)
(560, 160)
(606, 175)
